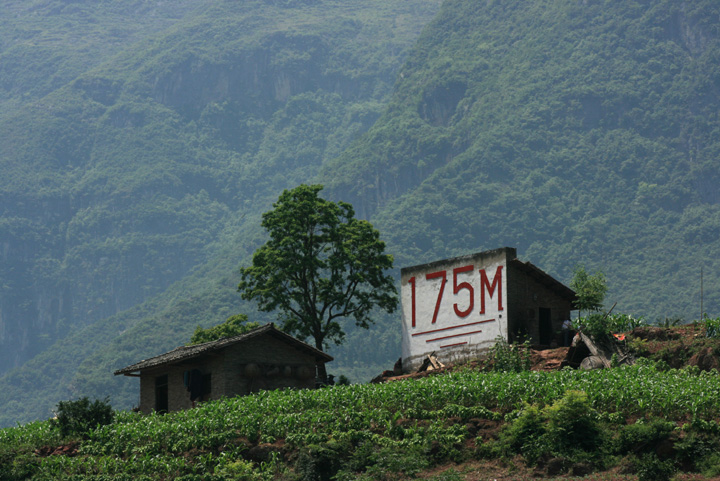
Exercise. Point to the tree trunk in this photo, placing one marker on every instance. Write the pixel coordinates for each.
(320, 365)
(321, 372)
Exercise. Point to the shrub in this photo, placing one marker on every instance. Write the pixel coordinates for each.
(650, 468)
(319, 462)
(697, 449)
(712, 326)
(573, 424)
(670, 322)
(596, 325)
(624, 322)
(506, 357)
(384, 462)
(639, 346)
(643, 436)
(449, 475)
(239, 469)
(14, 466)
(710, 465)
(82, 416)
(599, 325)
(526, 435)
(391, 462)
(569, 428)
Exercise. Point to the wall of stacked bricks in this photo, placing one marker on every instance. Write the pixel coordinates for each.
(263, 363)
(525, 298)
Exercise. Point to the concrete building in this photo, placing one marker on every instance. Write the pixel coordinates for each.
(457, 308)
(264, 358)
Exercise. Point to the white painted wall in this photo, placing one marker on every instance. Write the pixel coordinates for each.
(460, 328)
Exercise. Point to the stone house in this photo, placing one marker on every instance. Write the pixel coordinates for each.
(264, 358)
(457, 308)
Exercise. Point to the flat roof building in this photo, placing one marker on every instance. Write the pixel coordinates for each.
(457, 308)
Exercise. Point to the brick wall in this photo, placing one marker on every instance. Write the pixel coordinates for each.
(260, 363)
(147, 393)
(526, 297)
(267, 363)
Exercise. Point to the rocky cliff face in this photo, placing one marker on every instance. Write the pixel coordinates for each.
(126, 178)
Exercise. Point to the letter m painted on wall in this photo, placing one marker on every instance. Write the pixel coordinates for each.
(496, 286)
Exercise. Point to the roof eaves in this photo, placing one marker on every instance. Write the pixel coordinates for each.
(188, 352)
(546, 279)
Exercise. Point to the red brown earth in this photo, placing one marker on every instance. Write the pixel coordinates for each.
(678, 346)
(69, 449)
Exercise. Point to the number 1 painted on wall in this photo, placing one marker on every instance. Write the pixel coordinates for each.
(411, 281)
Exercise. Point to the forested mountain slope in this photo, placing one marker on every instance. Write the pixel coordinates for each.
(576, 131)
(44, 44)
(139, 142)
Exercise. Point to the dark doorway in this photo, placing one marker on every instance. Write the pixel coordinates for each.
(161, 394)
(546, 332)
(207, 386)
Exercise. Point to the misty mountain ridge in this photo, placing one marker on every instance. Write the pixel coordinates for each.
(578, 132)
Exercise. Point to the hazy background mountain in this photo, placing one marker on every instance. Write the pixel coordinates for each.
(140, 142)
(576, 131)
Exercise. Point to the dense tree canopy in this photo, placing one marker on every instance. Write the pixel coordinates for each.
(319, 266)
(569, 130)
(233, 326)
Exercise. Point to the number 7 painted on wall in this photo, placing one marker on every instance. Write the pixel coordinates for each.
(492, 289)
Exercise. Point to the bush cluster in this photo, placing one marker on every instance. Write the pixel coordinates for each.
(78, 418)
(570, 431)
(569, 428)
(712, 326)
(599, 325)
(505, 357)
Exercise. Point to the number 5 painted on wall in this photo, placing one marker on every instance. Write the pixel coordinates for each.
(459, 287)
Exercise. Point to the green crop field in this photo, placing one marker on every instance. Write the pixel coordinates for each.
(399, 429)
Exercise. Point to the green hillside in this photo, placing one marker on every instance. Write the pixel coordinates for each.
(578, 132)
(137, 157)
(643, 422)
(132, 184)
(44, 44)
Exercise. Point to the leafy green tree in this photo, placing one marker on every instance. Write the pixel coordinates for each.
(590, 289)
(78, 418)
(233, 326)
(320, 265)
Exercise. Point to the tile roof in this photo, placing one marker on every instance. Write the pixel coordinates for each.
(187, 352)
(545, 279)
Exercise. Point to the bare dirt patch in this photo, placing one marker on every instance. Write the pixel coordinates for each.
(69, 449)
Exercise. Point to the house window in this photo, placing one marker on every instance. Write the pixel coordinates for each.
(199, 385)
(161, 394)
